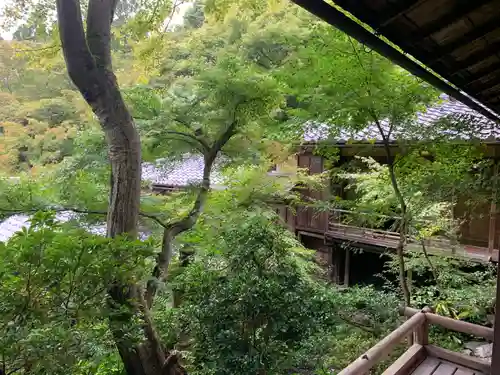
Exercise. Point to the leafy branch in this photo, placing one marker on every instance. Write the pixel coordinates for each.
(174, 229)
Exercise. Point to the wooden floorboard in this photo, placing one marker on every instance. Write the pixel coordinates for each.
(427, 367)
(435, 366)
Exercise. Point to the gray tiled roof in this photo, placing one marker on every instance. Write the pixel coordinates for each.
(180, 173)
(11, 225)
(429, 123)
(15, 223)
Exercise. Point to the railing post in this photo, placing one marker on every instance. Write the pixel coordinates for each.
(422, 332)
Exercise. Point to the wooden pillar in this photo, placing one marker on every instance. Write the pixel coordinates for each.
(422, 332)
(347, 267)
(331, 260)
(495, 360)
(335, 264)
(493, 212)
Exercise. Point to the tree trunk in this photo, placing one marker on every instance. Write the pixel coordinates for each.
(88, 60)
(403, 229)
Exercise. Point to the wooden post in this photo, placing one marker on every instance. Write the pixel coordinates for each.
(347, 267)
(411, 338)
(495, 359)
(335, 264)
(493, 212)
(422, 332)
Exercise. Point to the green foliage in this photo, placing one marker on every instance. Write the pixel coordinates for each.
(53, 284)
(463, 290)
(251, 306)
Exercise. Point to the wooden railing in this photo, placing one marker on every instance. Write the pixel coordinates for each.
(366, 232)
(417, 326)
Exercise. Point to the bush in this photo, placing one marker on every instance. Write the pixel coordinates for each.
(250, 308)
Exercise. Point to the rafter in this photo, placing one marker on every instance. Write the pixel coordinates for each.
(481, 73)
(461, 9)
(493, 92)
(478, 57)
(494, 72)
(486, 85)
(396, 10)
(473, 35)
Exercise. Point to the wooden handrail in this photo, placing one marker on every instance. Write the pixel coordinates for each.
(375, 354)
(452, 324)
(375, 230)
(366, 213)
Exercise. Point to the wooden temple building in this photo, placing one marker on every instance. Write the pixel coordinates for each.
(334, 235)
(455, 46)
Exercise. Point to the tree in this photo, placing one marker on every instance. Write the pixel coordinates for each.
(230, 99)
(88, 59)
(350, 88)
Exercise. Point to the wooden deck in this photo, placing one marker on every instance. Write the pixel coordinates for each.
(422, 358)
(436, 366)
(363, 236)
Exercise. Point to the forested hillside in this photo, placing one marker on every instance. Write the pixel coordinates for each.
(216, 284)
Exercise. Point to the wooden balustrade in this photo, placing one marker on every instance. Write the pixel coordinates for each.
(374, 355)
(418, 324)
(452, 324)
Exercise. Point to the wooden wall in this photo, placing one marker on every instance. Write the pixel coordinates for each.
(309, 219)
(475, 230)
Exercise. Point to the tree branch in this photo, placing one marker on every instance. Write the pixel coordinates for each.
(428, 259)
(174, 229)
(205, 148)
(175, 5)
(76, 52)
(404, 219)
(99, 18)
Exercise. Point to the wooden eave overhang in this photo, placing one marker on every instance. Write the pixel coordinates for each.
(452, 44)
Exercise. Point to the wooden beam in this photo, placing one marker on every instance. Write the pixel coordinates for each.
(490, 94)
(408, 361)
(488, 73)
(459, 359)
(459, 11)
(374, 355)
(477, 57)
(494, 79)
(471, 36)
(391, 12)
(378, 18)
(479, 73)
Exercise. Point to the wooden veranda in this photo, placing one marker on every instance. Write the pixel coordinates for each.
(423, 358)
(454, 45)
